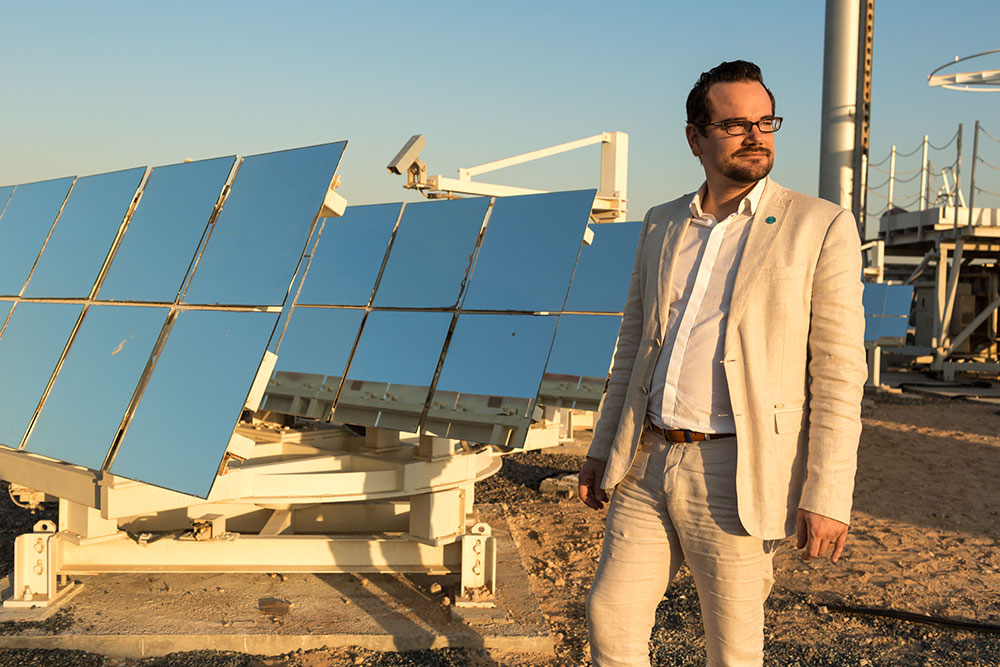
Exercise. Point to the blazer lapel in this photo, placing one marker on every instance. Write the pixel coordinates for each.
(767, 222)
(673, 233)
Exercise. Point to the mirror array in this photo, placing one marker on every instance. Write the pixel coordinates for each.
(887, 313)
(136, 307)
(448, 326)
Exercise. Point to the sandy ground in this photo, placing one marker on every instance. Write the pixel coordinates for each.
(924, 541)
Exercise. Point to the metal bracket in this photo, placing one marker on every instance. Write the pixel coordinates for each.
(479, 568)
(36, 561)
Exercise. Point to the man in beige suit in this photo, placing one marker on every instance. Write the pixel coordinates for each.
(732, 415)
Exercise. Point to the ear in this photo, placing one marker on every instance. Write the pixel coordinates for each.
(694, 138)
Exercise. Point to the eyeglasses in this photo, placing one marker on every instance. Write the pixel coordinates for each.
(738, 128)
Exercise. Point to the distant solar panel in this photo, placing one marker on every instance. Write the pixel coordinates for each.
(24, 226)
(887, 312)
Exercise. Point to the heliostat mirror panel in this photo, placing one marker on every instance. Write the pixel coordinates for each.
(24, 226)
(165, 230)
(528, 252)
(601, 278)
(83, 236)
(5, 193)
(873, 298)
(490, 377)
(431, 253)
(5, 307)
(392, 369)
(261, 233)
(580, 361)
(81, 416)
(312, 358)
(30, 348)
(194, 397)
(349, 255)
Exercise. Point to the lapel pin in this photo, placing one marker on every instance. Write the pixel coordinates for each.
(770, 219)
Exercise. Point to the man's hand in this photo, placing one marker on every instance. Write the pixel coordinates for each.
(590, 477)
(816, 533)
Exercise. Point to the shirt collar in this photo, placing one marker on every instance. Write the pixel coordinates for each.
(747, 206)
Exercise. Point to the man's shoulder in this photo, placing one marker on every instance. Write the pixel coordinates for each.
(670, 209)
(820, 207)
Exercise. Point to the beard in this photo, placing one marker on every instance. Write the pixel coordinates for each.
(747, 172)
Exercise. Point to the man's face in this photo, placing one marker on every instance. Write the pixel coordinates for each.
(742, 160)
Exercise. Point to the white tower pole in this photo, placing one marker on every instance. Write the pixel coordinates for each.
(840, 87)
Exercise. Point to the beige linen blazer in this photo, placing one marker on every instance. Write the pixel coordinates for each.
(794, 357)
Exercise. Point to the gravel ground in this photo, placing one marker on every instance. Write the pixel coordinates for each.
(559, 542)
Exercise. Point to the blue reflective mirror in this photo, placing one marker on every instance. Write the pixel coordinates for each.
(83, 236)
(392, 369)
(490, 378)
(431, 253)
(79, 420)
(893, 329)
(24, 226)
(319, 340)
(5, 307)
(600, 282)
(497, 355)
(255, 245)
(898, 299)
(580, 361)
(204, 373)
(5, 193)
(872, 325)
(165, 230)
(349, 256)
(584, 346)
(873, 298)
(528, 252)
(30, 347)
(312, 356)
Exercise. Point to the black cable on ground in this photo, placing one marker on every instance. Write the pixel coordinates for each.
(917, 618)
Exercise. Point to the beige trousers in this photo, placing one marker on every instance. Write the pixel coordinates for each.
(677, 503)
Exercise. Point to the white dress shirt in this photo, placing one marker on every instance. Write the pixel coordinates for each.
(689, 389)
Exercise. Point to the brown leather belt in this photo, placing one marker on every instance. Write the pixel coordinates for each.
(684, 435)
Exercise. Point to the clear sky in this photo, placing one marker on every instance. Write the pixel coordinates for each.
(91, 87)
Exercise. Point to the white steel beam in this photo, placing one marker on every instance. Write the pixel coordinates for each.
(465, 173)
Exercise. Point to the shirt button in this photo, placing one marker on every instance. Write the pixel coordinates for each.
(644, 389)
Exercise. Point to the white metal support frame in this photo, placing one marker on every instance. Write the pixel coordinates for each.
(323, 501)
(610, 204)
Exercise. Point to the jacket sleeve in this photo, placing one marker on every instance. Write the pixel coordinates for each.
(629, 336)
(837, 373)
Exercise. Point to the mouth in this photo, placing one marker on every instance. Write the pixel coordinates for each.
(752, 152)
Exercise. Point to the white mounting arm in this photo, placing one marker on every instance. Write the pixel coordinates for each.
(610, 204)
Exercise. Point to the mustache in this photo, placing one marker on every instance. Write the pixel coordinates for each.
(753, 150)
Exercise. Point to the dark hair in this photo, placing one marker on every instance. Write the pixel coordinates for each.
(698, 108)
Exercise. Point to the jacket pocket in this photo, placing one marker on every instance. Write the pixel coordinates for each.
(789, 421)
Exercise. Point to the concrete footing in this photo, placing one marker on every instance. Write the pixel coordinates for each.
(143, 615)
